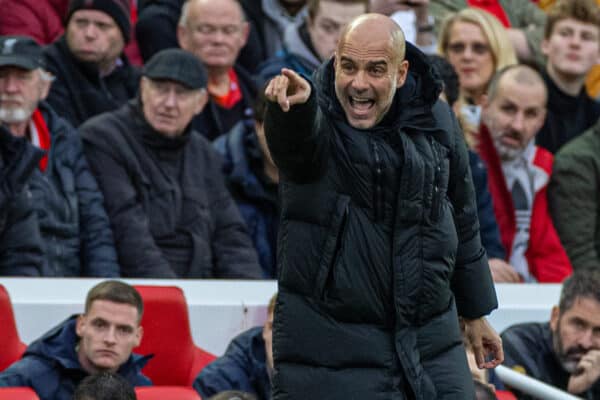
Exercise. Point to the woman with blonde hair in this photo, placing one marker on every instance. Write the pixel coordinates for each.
(477, 45)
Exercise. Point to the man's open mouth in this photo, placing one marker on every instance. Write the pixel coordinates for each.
(361, 104)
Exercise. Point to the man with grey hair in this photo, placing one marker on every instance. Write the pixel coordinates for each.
(215, 31)
(518, 175)
(73, 224)
(379, 239)
(165, 194)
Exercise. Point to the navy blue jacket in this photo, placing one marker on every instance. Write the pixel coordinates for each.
(51, 368)
(74, 226)
(242, 367)
(240, 150)
(488, 228)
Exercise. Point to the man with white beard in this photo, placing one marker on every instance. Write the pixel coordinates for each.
(74, 227)
(519, 172)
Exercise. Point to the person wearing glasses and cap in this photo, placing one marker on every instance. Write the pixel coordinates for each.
(165, 194)
(74, 227)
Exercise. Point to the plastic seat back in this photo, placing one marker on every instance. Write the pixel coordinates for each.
(11, 346)
(167, 335)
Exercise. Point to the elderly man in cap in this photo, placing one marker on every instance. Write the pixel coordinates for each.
(92, 73)
(165, 195)
(74, 227)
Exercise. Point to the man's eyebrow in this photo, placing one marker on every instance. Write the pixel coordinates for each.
(376, 63)
(346, 58)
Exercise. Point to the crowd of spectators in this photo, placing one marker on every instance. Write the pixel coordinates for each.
(132, 140)
(106, 202)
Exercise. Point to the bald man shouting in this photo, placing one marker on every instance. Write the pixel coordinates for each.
(379, 249)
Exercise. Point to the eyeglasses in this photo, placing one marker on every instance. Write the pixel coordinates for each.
(477, 48)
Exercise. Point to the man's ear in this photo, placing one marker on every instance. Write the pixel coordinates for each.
(554, 317)
(545, 47)
(245, 32)
(182, 36)
(202, 100)
(45, 84)
(79, 325)
(139, 335)
(402, 73)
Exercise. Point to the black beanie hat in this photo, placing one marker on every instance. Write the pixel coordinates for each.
(117, 9)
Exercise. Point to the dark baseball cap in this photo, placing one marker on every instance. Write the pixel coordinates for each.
(177, 65)
(20, 51)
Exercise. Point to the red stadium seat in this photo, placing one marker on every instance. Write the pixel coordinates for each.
(18, 393)
(167, 335)
(11, 347)
(505, 395)
(166, 393)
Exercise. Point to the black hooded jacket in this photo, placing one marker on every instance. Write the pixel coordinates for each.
(379, 248)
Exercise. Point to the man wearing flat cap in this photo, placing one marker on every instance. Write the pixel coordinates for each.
(170, 211)
(93, 75)
(73, 224)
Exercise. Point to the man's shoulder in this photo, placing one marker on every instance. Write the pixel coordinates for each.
(56, 55)
(107, 126)
(582, 148)
(526, 338)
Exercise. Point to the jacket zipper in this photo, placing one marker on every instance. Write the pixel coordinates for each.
(378, 191)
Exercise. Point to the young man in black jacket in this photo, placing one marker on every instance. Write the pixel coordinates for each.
(379, 239)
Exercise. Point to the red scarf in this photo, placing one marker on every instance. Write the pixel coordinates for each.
(233, 96)
(43, 136)
(493, 7)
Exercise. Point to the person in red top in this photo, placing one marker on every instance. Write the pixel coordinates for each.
(43, 21)
(215, 31)
(519, 172)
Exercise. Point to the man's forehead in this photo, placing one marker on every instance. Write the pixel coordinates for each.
(576, 24)
(522, 95)
(112, 311)
(96, 15)
(221, 8)
(370, 55)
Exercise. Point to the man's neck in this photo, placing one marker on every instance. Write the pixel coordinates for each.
(271, 171)
(218, 81)
(292, 8)
(569, 84)
(107, 67)
(473, 96)
(18, 129)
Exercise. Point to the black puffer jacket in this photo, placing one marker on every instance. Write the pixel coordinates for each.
(21, 251)
(170, 211)
(378, 248)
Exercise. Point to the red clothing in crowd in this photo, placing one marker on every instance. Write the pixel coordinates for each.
(546, 257)
(43, 21)
(493, 7)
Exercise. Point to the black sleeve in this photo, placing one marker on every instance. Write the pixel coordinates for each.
(295, 139)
